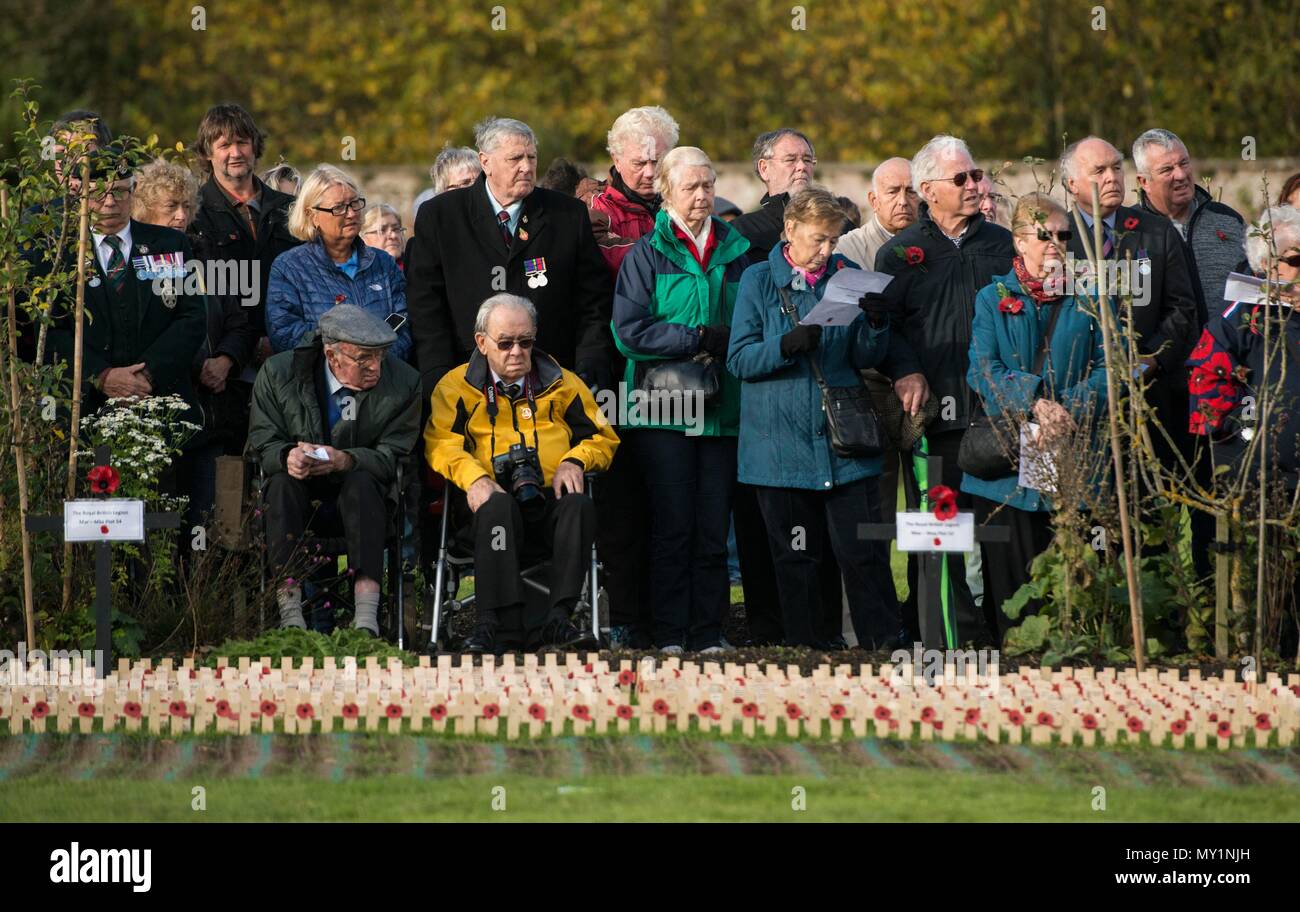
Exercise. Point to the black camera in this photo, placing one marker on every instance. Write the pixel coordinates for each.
(520, 472)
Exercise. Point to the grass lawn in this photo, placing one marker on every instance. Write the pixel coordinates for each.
(878, 796)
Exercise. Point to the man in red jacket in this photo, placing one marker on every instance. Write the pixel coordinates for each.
(625, 207)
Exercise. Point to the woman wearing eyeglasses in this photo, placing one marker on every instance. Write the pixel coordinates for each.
(333, 266)
(382, 228)
(1060, 390)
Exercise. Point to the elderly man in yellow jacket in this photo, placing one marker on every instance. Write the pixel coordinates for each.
(516, 432)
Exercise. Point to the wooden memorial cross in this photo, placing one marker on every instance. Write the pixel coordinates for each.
(103, 562)
(937, 630)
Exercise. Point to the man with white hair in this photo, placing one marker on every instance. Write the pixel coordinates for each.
(1215, 233)
(940, 263)
(893, 203)
(784, 161)
(504, 233)
(516, 432)
(454, 167)
(626, 205)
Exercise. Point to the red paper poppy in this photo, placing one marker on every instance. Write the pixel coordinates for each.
(177, 708)
(1044, 718)
(661, 707)
(223, 708)
(626, 677)
(340, 298)
(1178, 726)
(581, 712)
(1011, 305)
(972, 716)
(103, 479)
(490, 711)
(438, 712)
(393, 710)
(882, 712)
(941, 492)
(40, 709)
(1134, 724)
(587, 668)
(1225, 729)
(1220, 235)
(945, 510)
(86, 710)
(793, 711)
(913, 256)
(1262, 722)
(537, 711)
(749, 710)
(704, 709)
(1130, 223)
(268, 708)
(927, 714)
(1015, 717)
(623, 711)
(305, 711)
(838, 711)
(350, 711)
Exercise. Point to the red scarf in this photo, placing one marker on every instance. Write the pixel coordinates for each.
(1033, 287)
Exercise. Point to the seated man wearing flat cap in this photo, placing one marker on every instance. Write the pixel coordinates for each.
(516, 432)
(329, 422)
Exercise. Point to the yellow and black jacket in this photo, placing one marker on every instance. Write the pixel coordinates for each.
(558, 416)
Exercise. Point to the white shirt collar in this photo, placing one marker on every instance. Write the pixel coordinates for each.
(332, 383)
(512, 210)
(497, 378)
(700, 240)
(104, 251)
(1109, 220)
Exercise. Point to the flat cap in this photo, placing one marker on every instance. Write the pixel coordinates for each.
(350, 323)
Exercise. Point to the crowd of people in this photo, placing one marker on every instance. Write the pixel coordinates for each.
(480, 345)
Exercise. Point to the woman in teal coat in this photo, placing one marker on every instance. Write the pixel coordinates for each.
(1011, 316)
(810, 497)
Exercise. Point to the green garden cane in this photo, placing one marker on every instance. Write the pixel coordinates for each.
(935, 614)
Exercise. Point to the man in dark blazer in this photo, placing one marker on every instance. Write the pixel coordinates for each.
(140, 334)
(503, 233)
(1160, 279)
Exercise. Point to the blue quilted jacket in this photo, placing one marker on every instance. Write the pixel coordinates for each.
(783, 439)
(305, 283)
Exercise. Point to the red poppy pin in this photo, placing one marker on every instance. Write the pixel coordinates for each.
(340, 298)
(945, 502)
(103, 479)
(1011, 305)
(1220, 235)
(1130, 223)
(913, 256)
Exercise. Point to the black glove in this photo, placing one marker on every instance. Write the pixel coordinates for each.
(877, 307)
(803, 338)
(596, 373)
(714, 339)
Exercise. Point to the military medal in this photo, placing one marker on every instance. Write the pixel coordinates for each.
(535, 270)
(93, 282)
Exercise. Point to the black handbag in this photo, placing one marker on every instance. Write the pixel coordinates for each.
(701, 374)
(985, 450)
(851, 421)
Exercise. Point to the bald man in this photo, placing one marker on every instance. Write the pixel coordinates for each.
(893, 204)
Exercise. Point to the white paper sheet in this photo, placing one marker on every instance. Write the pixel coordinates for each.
(839, 303)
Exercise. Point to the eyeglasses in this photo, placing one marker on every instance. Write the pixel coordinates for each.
(791, 160)
(1293, 260)
(355, 205)
(118, 193)
(959, 179)
(1062, 236)
(506, 344)
(387, 229)
(365, 361)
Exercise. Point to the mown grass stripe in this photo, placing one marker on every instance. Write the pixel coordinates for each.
(28, 752)
(343, 746)
(872, 751)
(728, 757)
(1120, 768)
(421, 766)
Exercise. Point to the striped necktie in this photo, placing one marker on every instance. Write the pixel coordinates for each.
(503, 219)
(1107, 241)
(116, 264)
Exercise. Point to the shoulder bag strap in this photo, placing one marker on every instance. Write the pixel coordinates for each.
(788, 308)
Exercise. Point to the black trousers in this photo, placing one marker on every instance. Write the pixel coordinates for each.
(971, 624)
(1006, 564)
(622, 536)
(690, 480)
(800, 524)
(354, 502)
(507, 540)
(763, 612)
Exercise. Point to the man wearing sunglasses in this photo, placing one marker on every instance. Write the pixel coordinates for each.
(516, 432)
(941, 262)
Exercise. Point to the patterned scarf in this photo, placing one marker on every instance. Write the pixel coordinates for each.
(812, 278)
(1032, 286)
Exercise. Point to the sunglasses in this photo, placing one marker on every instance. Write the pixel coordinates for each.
(1062, 236)
(1293, 260)
(506, 344)
(959, 179)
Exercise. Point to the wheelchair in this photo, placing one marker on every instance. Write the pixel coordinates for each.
(455, 560)
(337, 589)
